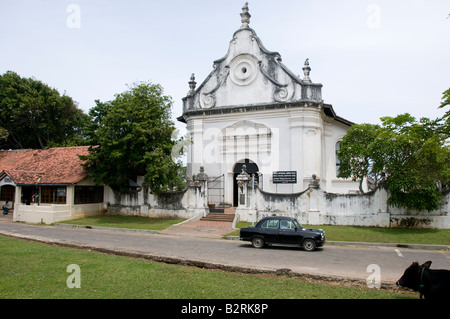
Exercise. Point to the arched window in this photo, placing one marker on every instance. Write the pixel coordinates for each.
(338, 162)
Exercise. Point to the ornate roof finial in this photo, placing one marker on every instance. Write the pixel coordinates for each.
(192, 85)
(245, 16)
(306, 71)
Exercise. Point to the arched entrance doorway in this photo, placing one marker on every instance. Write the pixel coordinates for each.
(252, 170)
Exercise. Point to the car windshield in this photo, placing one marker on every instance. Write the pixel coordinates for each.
(297, 224)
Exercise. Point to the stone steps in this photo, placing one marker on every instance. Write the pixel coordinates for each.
(226, 216)
(219, 217)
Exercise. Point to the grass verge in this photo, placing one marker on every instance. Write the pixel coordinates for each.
(36, 271)
(129, 222)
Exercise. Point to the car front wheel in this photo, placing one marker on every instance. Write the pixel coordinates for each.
(258, 242)
(309, 245)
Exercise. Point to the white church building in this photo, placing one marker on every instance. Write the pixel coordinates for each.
(253, 110)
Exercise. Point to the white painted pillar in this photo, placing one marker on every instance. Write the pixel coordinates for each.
(195, 160)
(312, 144)
(297, 150)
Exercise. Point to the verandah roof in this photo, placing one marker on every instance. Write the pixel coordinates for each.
(52, 166)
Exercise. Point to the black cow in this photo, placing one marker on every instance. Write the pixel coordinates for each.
(431, 283)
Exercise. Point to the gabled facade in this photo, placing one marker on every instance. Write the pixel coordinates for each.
(252, 110)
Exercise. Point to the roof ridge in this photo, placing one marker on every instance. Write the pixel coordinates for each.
(65, 147)
(42, 149)
(24, 170)
(17, 150)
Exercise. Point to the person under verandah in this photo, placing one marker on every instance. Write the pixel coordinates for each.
(5, 208)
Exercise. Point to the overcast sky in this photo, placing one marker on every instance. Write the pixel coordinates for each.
(374, 58)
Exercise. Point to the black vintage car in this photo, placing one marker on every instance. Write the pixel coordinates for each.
(282, 230)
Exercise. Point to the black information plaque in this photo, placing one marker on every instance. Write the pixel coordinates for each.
(285, 177)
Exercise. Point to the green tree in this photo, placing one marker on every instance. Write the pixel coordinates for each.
(413, 156)
(356, 158)
(97, 113)
(443, 123)
(3, 134)
(445, 99)
(440, 125)
(131, 136)
(37, 116)
(416, 160)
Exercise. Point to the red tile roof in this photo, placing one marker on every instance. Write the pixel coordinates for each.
(52, 166)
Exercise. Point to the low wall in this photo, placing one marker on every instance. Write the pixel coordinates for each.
(317, 207)
(401, 217)
(53, 213)
(183, 204)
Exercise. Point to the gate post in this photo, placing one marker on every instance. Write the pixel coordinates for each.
(201, 189)
(313, 212)
(242, 180)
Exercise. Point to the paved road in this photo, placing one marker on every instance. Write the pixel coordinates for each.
(331, 261)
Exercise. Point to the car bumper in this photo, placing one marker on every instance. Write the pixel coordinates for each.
(320, 241)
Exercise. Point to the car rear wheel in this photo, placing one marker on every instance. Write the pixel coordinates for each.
(309, 245)
(258, 242)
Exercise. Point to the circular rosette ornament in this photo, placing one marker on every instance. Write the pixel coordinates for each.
(243, 69)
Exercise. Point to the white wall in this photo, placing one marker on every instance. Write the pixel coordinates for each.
(315, 206)
(184, 204)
